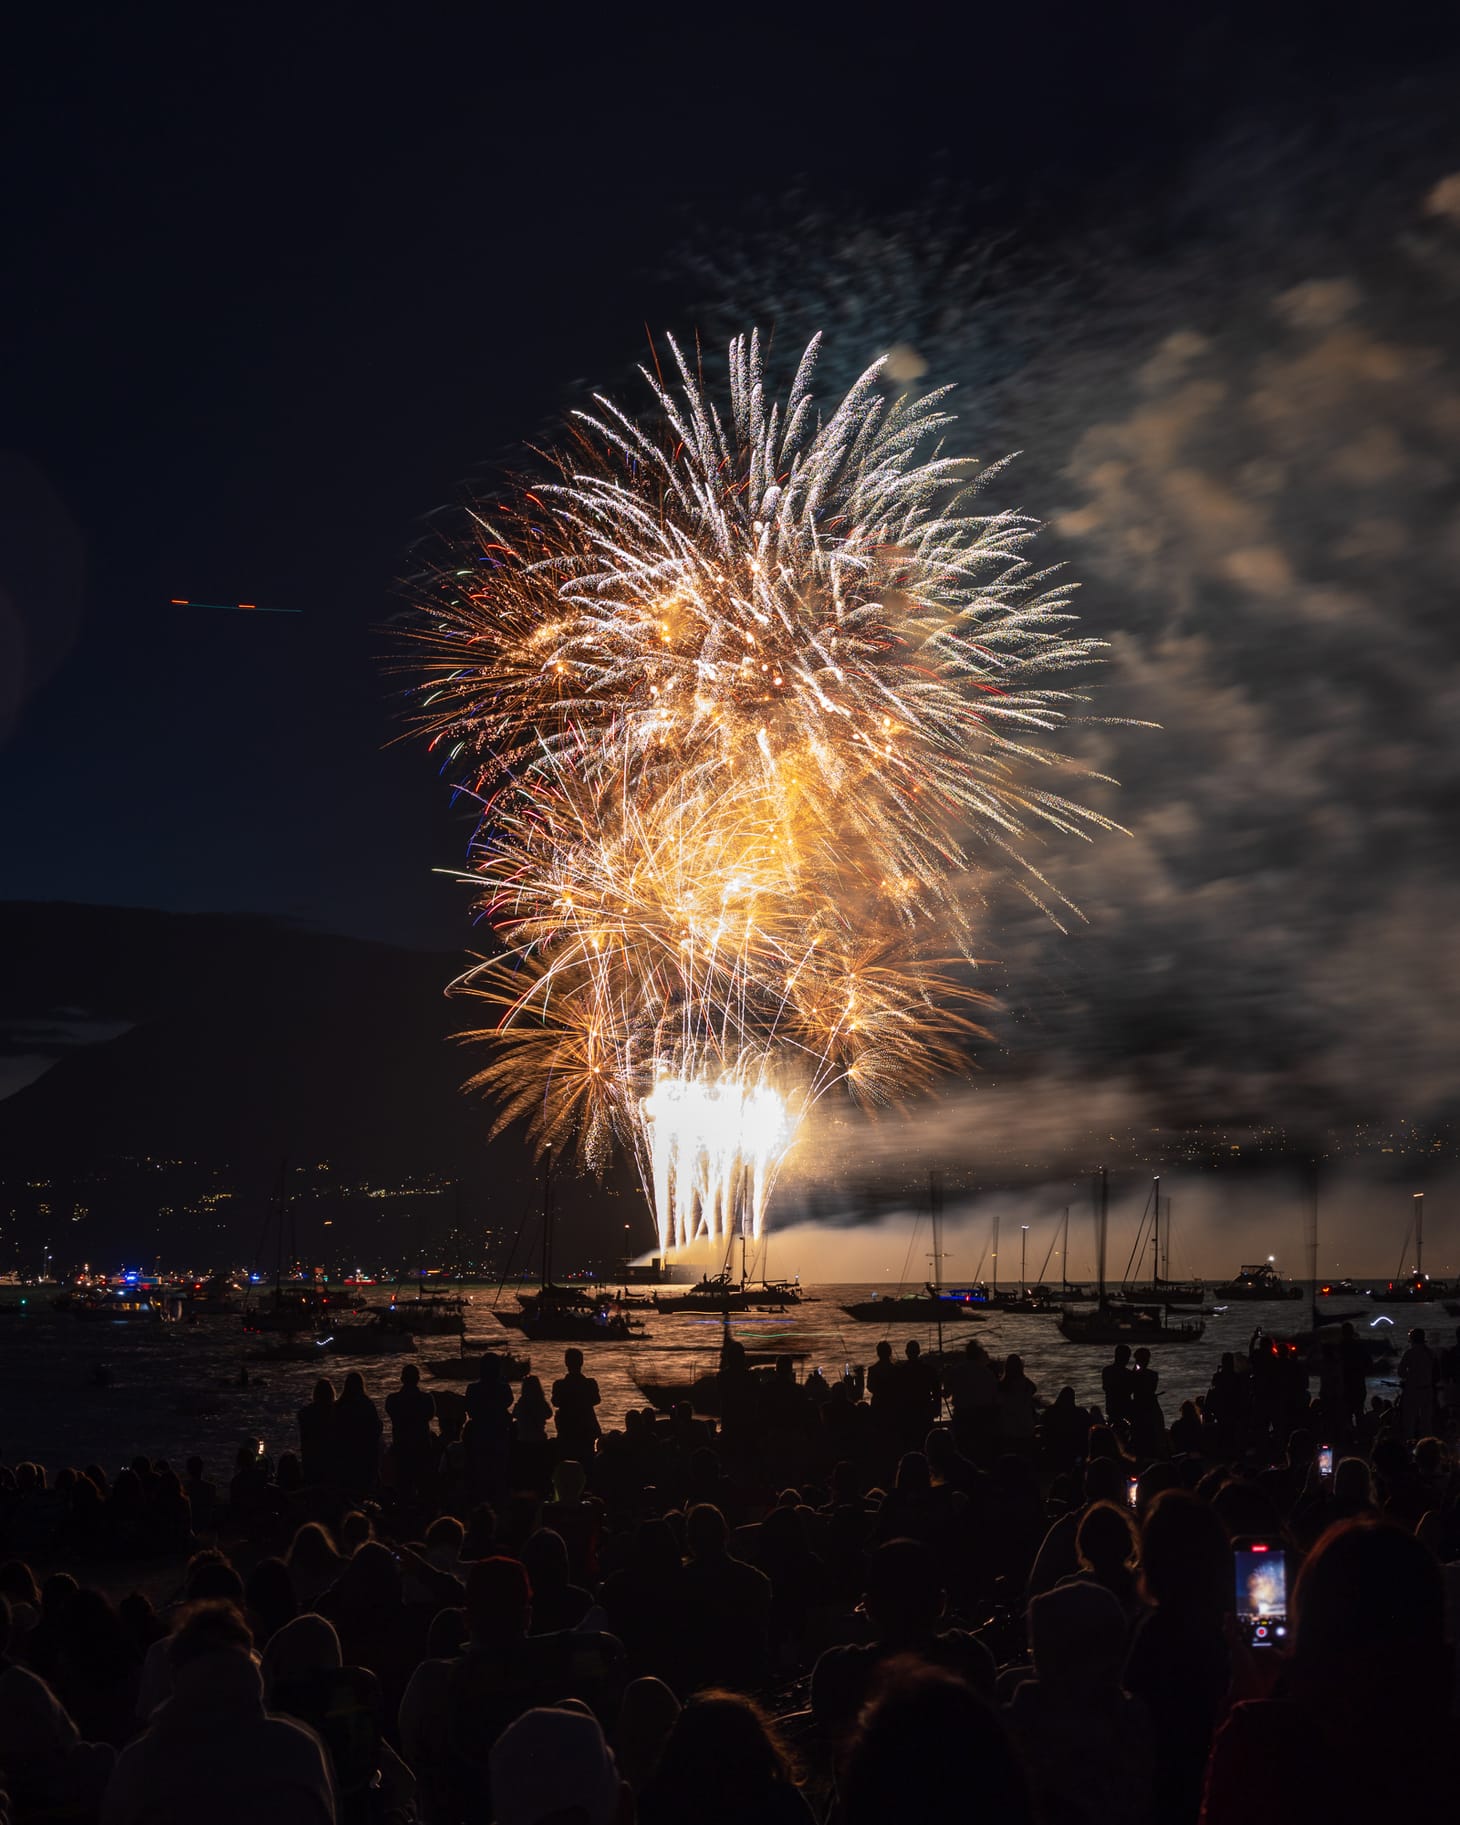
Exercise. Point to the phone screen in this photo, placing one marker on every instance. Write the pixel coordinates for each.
(1325, 1460)
(1132, 1491)
(1262, 1592)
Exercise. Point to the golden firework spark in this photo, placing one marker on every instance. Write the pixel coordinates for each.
(749, 701)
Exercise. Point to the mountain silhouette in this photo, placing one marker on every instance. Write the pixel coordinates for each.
(245, 1042)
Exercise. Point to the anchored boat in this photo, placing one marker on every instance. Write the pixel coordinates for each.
(1260, 1281)
(1108, 1323)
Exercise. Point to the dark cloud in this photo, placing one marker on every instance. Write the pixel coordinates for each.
(1247, 445)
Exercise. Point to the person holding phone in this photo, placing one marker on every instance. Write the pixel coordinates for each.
(1369, 1667)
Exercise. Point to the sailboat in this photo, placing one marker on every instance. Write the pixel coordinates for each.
(1415, 1288)
(292, 1305)
(1161, 1287)
(721, 1293)
(930, 1306)
(564, 1314)
(714, 1293)
(1108, 1323)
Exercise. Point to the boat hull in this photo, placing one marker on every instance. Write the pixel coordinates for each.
(566, 1327)
(1128, 1324)
(907, 1311)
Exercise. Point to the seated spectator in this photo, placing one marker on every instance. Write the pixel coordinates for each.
(46, 1770)
(97, 1669)
(20, 1590)
(1179, 1662)
(455, 1709)
(304, 1678)
(208, 1578)
(143, 1625)
(576, 1517)
(443, 1545)
(922, 1747)
(377, 1627)
(645, 1718)
(904, 1600)
(269, 1600)
(556, 1603)
(313, 1562)
(724, 1764)
(1107, 1550)
(725, 1608)
(212, 1751)
(1105, 1481)
(1086, 1744)
(641, 1601)
(553, 1765)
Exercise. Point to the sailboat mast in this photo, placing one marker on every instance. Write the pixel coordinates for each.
(1419, 1233)
(935, 1207)
(547, 1219)
(1065, 1254)
(995, 1288)
(1101, 1225)
(1156, 1232)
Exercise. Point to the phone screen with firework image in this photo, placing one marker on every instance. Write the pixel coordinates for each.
(1261, 1592)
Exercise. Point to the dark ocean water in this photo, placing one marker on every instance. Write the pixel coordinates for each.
(162, 1375)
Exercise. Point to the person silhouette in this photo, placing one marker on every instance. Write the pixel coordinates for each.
(575, 1400)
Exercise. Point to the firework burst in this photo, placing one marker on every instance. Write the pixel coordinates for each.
(749, 699)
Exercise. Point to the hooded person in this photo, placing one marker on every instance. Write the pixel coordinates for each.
(553, 1763)
(212, 1750)
(45, 1768)
(305, 1678)
(455, 1708)
(1086, 1743)
(646, 1716)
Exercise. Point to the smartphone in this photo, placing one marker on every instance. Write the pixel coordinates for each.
(1325, 1461)
(1261, 1570)
(1132, 1491)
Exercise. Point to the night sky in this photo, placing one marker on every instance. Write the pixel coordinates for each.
(279, 283)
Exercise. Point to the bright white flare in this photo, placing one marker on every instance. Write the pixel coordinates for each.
(715, 1147)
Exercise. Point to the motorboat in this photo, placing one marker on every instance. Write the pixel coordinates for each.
(1259, 1281)
(125, 1305)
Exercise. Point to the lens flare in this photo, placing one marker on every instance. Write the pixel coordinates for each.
(752, 703)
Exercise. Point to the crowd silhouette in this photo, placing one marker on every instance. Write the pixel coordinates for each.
(950, 1592)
